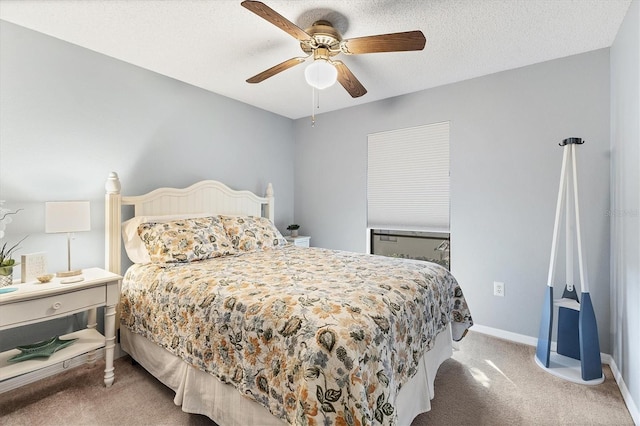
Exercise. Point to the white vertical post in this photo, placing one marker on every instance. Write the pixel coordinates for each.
(271, 201)
(583, 274)
(110, 343)
(554, 243)
(113, 218)
(569, 229)
(92, 322)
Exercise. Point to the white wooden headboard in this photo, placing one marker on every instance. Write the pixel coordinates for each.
(207, 196)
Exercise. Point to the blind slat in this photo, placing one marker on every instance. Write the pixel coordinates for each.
(408, 178)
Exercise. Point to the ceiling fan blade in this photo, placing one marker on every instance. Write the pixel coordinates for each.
(275, 70)
(348, 80)
(394, 42)
(265, 12)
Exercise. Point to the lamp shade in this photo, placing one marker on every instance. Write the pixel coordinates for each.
(320, 74)
(67, 216)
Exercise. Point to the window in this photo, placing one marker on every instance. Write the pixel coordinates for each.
(408, 179)
(418, 245)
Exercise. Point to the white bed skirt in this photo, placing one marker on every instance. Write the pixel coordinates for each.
(202, 393)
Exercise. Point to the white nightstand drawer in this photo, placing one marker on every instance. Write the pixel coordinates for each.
(34, 310)
(300, 241)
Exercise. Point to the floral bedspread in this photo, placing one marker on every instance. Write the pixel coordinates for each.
(317, 336)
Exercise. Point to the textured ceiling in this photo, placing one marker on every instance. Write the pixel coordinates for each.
(217, 44)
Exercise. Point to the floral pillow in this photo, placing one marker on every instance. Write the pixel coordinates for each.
(252, 233)
(134, 246)
(185, 240)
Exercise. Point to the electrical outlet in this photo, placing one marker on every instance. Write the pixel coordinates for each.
(498, 289)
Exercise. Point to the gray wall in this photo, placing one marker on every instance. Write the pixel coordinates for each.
(505, 168)
(69, 116)
(625, 205)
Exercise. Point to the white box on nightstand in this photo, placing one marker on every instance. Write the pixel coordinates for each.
(299, 241)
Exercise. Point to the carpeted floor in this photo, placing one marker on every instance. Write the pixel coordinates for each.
(497, 382)
(488, 382)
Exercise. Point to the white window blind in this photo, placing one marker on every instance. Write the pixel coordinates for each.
(408, 178)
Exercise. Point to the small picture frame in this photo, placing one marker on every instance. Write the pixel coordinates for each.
(32, 266)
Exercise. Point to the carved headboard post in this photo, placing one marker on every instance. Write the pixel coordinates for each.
(113, 218)
(271, 201)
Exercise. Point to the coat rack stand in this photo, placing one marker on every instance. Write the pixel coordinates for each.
(577, 354)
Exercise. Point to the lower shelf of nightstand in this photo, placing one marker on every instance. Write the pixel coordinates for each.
(88, 340)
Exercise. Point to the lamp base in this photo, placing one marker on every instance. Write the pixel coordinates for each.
(69, 273)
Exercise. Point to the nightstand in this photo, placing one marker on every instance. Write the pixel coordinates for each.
(34, 302)
(299, 241)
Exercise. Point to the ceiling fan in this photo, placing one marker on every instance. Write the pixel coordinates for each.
(323, 42)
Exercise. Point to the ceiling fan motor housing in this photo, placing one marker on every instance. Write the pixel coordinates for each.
(323, 36)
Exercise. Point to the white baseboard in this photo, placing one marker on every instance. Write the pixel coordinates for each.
(506, 335)
(631, 405)
(533, 341)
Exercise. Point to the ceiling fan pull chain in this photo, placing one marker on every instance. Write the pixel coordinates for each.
(313, 109)
(315, 104)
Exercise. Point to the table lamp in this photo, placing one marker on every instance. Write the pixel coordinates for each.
(67, 217)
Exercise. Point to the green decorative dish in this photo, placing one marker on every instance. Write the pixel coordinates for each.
(42, 349)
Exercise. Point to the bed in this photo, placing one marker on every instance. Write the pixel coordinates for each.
(247, 329)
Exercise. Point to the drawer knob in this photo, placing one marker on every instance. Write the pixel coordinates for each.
(57, 305)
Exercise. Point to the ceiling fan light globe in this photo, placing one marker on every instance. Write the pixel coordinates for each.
(320, 74)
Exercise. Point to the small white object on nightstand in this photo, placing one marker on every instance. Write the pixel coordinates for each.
(33, 265)
(299, 241)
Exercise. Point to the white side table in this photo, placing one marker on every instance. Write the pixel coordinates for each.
(299, 241)
(34, 302)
